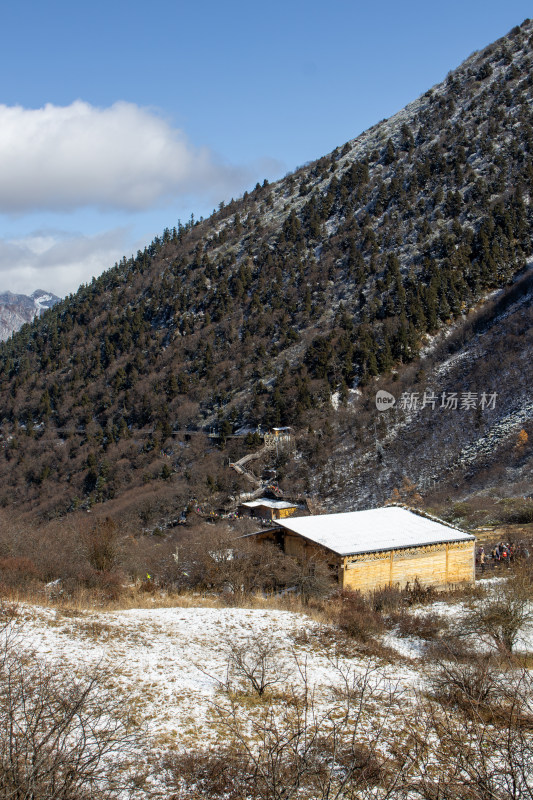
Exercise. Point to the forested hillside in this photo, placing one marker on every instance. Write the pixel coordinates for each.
(298, 291)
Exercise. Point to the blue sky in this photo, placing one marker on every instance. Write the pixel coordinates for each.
(117, 118)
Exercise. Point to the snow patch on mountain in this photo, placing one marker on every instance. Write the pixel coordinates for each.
(18, 309)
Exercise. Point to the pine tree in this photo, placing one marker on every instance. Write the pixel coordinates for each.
(390, 153)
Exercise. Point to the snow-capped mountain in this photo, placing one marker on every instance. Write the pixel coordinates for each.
(17, 309)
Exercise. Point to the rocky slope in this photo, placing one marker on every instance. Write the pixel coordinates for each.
(462, 421)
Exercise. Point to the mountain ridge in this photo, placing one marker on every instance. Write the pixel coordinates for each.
(305, 289)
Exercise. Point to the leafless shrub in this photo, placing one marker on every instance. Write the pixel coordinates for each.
(61, 737)
(451, 645)
(366, 616)
(102, 545)
(503, 614)
(257, 662)
(357, 618)
(419, 595)
(9, 630)
(220, 773)
(387, 599)
(467, 593)
(300, 749)
(8, 615)
(466, 685)
(425, 626)
(478, 747)
(328, 639)
(17, 572)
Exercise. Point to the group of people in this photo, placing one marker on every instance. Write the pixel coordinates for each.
(504, 552)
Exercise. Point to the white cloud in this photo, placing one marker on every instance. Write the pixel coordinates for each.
(59, 158)
(57, 261)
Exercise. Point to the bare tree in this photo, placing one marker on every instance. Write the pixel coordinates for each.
(212, 558)
(476, 743)
(102, 545)
(503, 613)
(61, 737)
(257, 662)
(311, 576)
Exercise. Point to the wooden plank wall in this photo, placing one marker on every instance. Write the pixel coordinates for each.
(435, 565)
(281, 513)
(368, 573)
(462, 563)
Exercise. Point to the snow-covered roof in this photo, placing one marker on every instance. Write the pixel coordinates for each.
(388, 528)
(264, 501)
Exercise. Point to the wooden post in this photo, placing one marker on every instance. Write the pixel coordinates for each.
(390, 573)
(446, 573)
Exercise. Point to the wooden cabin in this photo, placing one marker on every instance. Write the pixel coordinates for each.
(264, 508)
(390, 546)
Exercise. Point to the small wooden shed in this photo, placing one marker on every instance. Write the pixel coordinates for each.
(264, 508)
(390, 546)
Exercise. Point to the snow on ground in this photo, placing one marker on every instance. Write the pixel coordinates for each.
(168, 662)
(409, 647)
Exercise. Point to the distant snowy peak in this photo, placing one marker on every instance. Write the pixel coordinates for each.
(44, 300)
(17, 309)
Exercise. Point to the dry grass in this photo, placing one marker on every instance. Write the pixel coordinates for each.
(523, 660)
(427, 626)
(331, 641)
(85, 600)
(133, 597)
